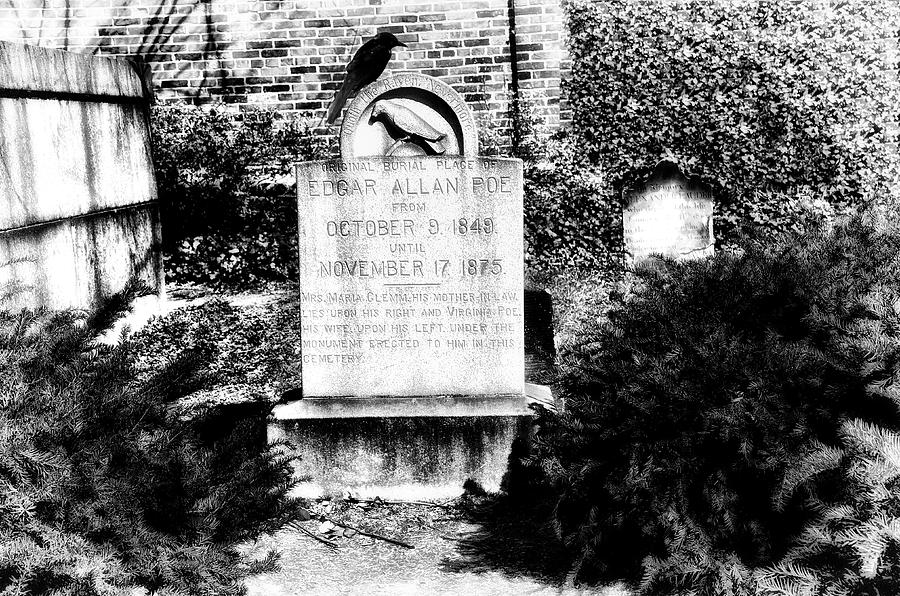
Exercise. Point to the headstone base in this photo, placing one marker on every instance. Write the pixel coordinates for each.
(399, 458)
(392, 407)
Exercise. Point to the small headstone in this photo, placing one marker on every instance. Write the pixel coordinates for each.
(669, 214)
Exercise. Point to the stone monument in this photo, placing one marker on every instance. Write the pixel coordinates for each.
(668, 214)
(411, 295)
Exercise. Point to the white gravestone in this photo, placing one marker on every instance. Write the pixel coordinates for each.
(411, 276)
(411, 255)
(669, 214)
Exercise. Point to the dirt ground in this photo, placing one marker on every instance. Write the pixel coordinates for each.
(448, 556)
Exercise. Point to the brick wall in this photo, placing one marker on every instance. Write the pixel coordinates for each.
(290, 54)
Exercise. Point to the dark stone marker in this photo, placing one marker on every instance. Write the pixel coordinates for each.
(540, 349)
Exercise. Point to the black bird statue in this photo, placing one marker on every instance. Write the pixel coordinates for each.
(405, 126)
(367, 65)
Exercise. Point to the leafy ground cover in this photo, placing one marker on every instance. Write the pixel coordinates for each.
(254, 338)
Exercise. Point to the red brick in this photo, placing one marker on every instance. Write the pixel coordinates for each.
(291, 56)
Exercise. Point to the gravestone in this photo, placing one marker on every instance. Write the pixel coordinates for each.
(411, 300)
(411, 277)
(668, 214)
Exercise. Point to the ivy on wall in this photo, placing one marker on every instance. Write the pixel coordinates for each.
(783, 107)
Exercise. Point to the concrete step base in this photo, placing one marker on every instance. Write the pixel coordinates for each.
(399, 458)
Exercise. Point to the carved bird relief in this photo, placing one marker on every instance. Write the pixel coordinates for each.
(405, 126)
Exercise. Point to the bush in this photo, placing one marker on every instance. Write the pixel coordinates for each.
(254, 345)
(781, 106)
(851, 546)
(731, 424)
(219, 225)
(265, 249)
(572, 222)
(571, 219)
(102, 488)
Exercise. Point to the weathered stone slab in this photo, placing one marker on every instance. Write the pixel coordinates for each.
(411, 275)
(432, 406)
(43, 70)
(61, 158)
(670, 215)
(399, 458)
(74, 263)
(78, 210)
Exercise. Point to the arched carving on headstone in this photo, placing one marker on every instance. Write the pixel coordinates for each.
(406, 116)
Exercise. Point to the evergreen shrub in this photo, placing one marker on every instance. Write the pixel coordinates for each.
(730, 424)
(220, 225)
(102, 488)
(783, 107)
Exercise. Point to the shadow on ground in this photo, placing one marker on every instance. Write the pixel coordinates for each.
(514, 537)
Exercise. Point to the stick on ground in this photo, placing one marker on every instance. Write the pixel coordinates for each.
(367, 533)
(385, 502)
(297, 526)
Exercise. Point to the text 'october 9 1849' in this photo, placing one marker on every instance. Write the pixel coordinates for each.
(411, 276)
